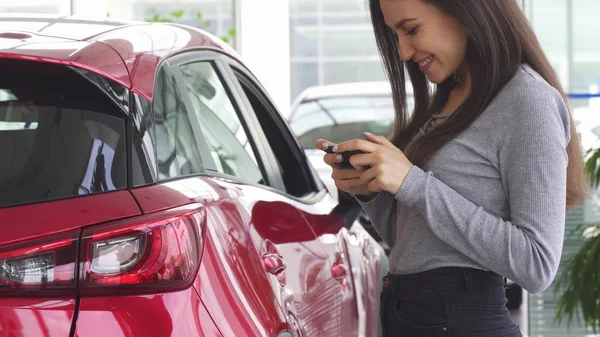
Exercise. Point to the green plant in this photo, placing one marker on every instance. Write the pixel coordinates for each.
(579, 282)
(177, 15)
(578, 285)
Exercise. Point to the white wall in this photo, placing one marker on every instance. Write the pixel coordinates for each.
(264, 43)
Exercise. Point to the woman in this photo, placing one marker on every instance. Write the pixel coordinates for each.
(473, 187)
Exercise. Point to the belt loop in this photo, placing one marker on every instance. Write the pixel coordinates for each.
(468, 282)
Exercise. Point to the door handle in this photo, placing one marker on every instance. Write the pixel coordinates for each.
(273, 263)
(339, 272)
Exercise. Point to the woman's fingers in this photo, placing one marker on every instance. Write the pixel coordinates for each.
(366, 159)
(324, 144)
(369, 175)
(381, 140)
(332, 159)
(344, 174)
(349, 185)
(357, 144)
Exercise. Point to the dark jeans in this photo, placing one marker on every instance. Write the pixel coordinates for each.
(446, 302)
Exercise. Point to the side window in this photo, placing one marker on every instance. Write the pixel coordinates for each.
(229, 144)
(177, 151)
(297, 175)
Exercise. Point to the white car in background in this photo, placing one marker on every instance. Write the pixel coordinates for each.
(340, 112)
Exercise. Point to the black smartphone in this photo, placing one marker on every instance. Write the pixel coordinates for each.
(345, 163)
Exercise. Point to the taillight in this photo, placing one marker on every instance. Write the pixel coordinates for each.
(153, 253)
(45, 267)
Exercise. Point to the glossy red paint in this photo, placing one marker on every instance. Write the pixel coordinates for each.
(48, 218)
(36, 317)
(128, 53)
(231, 280)
(366, 256)
(95, 57)
(176, 314)
(296, 229)
(269, 263)
(175, 193)
(142, 47)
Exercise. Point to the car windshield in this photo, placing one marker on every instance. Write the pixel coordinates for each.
(342, 118)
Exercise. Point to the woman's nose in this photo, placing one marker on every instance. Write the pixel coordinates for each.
(406, 50)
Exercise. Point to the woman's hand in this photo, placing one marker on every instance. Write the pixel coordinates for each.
(386, 166)
(346, 179)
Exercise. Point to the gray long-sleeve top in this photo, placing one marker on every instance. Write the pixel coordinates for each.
(493, 198)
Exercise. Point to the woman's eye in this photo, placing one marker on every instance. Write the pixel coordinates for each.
(413, 31)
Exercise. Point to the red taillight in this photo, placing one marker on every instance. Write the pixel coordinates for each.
(149, 254)
(45, 267)
(153, 253)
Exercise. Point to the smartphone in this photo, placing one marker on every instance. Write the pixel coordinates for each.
(345, 163)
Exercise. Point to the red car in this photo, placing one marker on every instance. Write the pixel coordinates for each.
(149, 187)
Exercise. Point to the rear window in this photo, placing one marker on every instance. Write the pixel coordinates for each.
(60, 136)
(342, 118)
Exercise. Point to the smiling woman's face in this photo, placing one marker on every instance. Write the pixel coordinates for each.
(426, 36)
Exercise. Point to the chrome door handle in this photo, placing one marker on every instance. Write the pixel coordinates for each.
(339, 272)
(273, 263)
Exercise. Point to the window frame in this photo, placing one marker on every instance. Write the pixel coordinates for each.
(216, 60)
(317, 188)
(202, 146)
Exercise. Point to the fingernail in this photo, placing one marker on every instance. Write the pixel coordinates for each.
(367, 134)
(338, 157)
(325, 146)
(335, 148)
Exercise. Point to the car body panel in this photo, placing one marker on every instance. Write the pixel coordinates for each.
(307, 290)
(126, 52)
(53, 316)
(96, 57)
(49, 218)
(26, 317)
(142, 48)
(271, 263)
(176, 314)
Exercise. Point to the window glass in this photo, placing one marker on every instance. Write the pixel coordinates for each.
(304, 75)
(304, 36)
(56, 140)
(230, 146)
(297, 176)
(585, 75)
(353, 71)
(342, 118)
(348, 36)
(303, 6)
(177, 151)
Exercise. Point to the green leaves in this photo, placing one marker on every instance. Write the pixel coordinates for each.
(592, 166)
(180, 14)
(580, 281)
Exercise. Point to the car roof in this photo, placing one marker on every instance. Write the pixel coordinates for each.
(346, 89)
(374, 88)
(128, 52)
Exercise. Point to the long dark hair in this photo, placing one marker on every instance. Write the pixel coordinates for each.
(500, 40)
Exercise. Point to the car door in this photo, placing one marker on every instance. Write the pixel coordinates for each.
(289, 254)
(173, 169)
(311, 198)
